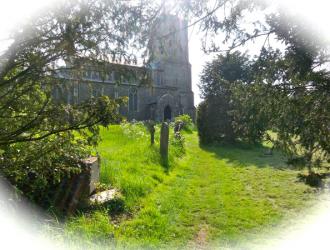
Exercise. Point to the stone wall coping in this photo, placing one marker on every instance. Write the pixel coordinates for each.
(90, 160)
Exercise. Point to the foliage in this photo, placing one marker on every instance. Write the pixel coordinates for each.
(177, 141)
(290, 82)
(133, 130)
(187, 123)
(36, 168)
(228, 113)
(250, 120)
(206, 124)
(68, 32)
(204, 132)
(42, 140)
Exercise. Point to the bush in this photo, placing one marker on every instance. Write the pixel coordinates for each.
(37, 168)
(229, 111)
(177, 144)
(211, 124)
(187, 123)
(204, 131)
(134, 129)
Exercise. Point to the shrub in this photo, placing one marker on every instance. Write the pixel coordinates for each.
(177, 144)
(212, 125)
(36, 168)
(187, 123)
(228, 113)
(204, 132)
(134, 130)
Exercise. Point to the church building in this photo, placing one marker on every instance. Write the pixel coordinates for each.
(169, 92)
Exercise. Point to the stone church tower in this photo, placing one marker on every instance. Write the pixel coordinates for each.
(171, 67)
(169, 94)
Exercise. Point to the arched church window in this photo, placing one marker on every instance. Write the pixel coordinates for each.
(167, 113)
(75, 90)
(133, 100)
(75, 93)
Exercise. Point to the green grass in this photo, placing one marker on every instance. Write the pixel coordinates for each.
(130, 163)
(211, 195)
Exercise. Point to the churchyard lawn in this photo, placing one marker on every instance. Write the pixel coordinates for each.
(207, 196)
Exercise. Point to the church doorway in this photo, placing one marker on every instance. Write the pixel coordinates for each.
(167, 113)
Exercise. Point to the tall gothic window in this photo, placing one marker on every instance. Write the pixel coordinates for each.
(75, 93)
(132, 100)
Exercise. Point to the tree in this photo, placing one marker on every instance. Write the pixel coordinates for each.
(291, 83)
(41, 141)
(101, 30)
(228, 113)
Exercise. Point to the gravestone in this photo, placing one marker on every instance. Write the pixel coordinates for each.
(151, 128)
(178, 126)
(75, 191)
(164, 137)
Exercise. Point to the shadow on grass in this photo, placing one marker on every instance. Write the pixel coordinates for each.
(243, 155)
(314, 179)
(157, 159)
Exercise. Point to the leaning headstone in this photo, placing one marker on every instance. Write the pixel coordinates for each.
(164, 137)
(75, 191)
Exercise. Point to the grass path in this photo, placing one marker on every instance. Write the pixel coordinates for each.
(213, 196)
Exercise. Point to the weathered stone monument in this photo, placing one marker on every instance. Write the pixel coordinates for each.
(76, 190)
(178, 126)
(151, 128)
(164, 138)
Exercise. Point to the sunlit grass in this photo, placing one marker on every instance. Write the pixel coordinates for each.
(231, 194)
(130, 163)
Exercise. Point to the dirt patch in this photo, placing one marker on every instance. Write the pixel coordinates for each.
(200, 240)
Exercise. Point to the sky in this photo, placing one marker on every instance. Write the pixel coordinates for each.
(13, 12)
